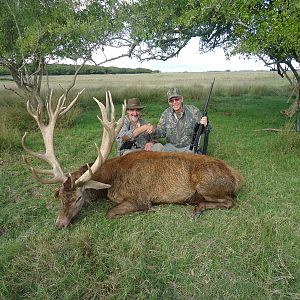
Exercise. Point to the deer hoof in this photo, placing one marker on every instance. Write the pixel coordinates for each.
(197, 214)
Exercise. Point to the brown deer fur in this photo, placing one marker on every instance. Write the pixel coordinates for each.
(141, 179)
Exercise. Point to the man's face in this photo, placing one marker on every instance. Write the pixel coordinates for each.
(176, 103)
(134, 114)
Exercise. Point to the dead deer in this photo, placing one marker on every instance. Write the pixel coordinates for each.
(136, 181)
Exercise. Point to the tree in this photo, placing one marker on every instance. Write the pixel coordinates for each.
(268, 29)
(36, 32)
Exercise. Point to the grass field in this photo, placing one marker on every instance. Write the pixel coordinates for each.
(249, 252)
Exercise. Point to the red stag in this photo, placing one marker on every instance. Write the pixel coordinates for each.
(134, 181)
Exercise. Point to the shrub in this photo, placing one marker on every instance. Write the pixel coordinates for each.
(15, 120)
(9, 138)
(13, 123)
(288, 139)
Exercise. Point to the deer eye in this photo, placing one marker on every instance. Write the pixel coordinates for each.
(79, 198)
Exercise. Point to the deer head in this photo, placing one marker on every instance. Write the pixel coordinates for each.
(74, 184)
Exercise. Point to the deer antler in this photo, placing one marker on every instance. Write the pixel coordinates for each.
(111, 129)
(48, 135)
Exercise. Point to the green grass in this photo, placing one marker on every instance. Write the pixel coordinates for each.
(249, 252)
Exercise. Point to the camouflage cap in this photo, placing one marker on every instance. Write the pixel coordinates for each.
(173, 92)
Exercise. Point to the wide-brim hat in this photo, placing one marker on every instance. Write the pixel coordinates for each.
(134, 103)
(173, 93)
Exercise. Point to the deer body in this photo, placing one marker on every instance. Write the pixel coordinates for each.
(141, 179)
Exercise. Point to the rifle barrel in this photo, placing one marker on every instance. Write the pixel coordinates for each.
(209, 94)
(200, 130)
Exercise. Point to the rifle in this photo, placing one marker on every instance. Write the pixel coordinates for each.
(199, 129)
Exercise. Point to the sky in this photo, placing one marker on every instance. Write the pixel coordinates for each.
(190, 60)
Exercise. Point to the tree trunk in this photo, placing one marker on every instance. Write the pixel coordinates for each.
(295, 106)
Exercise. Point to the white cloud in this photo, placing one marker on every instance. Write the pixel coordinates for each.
(190, 60)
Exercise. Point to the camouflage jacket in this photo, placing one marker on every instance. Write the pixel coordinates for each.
(126, 134)
(178, 130)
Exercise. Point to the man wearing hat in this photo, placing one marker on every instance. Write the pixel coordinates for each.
(177, 124)
(135, 133)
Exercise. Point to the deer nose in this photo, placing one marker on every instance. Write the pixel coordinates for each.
(62, 222)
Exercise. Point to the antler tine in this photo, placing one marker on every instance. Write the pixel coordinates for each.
(100, 157)
(27, 149)
(66, 109)
(89, 173)
(120, 122)
(111, 107)
(59, 106)
(108, 137)
(49, 104)
(107, 104)
(103, 111)
(52, 180)
(48, 136)
(56, 172)
(34, 112)
(37, 170)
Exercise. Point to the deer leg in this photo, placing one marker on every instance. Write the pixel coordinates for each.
(125, 207)
(211, 203)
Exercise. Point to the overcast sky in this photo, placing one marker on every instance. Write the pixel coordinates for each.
(190, 60)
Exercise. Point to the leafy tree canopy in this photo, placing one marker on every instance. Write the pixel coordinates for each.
(268, 29)
(33, 32)
(248, 27)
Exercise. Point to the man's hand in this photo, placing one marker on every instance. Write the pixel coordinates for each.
(148, 146)
(204, 121)
(148, 128)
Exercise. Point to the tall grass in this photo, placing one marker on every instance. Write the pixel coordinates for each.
(250, 252)
(149, 88)
(15, 120)
(193, 85)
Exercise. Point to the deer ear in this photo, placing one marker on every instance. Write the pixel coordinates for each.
(95, 185)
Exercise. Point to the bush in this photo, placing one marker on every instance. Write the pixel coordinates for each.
(9, 138)
(13, 123)
(289, 139)
(15, 120)
(68, 120)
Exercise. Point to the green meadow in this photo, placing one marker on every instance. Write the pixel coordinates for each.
(249, 252)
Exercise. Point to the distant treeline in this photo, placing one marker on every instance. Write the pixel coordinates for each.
(65, 69)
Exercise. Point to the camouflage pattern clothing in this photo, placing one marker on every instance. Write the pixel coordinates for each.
(178, 129)
(126, 134)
